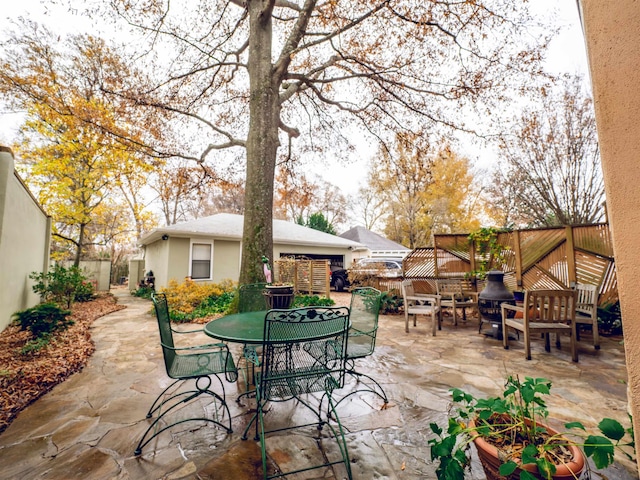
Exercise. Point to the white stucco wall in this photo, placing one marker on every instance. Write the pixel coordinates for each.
(24, 241)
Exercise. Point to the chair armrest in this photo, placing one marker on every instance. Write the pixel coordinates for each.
(515, 308)
(195, 348)
(201, 330)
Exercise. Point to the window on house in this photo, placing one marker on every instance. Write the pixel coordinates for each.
(200, 261)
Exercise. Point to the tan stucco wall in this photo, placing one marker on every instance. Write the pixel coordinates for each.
(178, 259)
(226, 260)
(156, 258)
(612, 31)
(24, 241)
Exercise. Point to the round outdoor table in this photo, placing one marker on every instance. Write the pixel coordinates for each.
(247, 327)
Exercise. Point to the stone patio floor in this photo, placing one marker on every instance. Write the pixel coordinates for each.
(88, 427)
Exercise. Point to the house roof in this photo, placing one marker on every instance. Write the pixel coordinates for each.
(372, 240)
(228, 226)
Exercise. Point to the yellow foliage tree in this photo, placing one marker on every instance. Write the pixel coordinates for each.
(424, 191)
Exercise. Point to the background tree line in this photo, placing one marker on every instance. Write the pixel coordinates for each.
(201, 116)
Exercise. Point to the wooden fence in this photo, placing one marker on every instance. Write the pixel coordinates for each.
(554, 258)
(307, 276)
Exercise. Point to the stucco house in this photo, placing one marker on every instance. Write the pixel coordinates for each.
(208, 248)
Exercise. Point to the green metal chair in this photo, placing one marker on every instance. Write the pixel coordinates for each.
(251, 297)
(197, 363)
(364, 311)
(304, 353)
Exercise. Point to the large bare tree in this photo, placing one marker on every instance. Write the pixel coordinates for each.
(551, 174)
(277, 78)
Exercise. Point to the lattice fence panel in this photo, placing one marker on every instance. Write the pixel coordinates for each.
(420, 263)
(594, 238)
(535, 244)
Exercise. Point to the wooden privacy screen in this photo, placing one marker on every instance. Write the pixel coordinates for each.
(307, 276)
(543, 258)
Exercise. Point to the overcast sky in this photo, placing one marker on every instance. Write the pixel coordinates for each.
(567, 54)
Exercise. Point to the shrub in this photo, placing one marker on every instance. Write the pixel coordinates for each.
(390, 302)
(62, 286)
(312, 301)
(36, 344)
(190, 300)
(143, 292)
(43, 319)
(610, 319)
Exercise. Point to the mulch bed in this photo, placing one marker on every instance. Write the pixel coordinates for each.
(26, 377)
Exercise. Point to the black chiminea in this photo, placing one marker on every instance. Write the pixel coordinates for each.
(489, 301)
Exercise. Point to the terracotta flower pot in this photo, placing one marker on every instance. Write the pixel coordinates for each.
(488, 455)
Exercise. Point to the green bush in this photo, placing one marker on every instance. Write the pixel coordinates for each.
(390, 302)
(143, 292)
(208, 306)
(36, 344)
(312, 301)
(43, 319)
(610, 318)
(62, 286)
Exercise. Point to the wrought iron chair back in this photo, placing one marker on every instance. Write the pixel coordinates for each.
(197, 363)
(364, 312)
(251, 297)
(304, 352)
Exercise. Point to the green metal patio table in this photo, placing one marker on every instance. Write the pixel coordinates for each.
(245, 328)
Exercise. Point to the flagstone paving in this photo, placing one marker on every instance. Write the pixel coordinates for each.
(88, 426)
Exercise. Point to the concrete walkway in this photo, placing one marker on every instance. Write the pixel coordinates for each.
(88, 427)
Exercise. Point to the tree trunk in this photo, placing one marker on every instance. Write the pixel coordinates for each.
(262, 145)
(76, 261)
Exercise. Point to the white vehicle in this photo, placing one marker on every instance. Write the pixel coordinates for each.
(377, 267)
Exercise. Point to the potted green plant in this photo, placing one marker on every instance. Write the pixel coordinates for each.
(513, 441)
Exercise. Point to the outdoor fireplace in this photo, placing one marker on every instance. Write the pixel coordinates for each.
(489, 301)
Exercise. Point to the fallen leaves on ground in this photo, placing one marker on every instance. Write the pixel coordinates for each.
(25, 378)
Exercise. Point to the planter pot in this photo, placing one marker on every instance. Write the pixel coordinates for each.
(488, 455)
(279, 296)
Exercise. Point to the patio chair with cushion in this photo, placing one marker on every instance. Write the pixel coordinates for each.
(453, 296)
(364, 312)
(587, 311)
(198, 363)
(420, 304)
(304, 353)
(543, 312)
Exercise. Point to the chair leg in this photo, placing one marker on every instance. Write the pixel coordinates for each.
(406, 321)
(335, 428)
(527, 343)
(182, 398)
(376, 389)
(596, 334)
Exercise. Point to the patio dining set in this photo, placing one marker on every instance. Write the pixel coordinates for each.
(294, 354)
